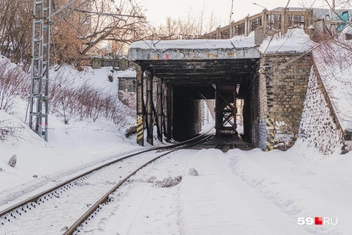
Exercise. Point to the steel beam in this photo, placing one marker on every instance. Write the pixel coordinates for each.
(150, 121)
(165, 110)
(140, 109)
(159, 110)
(225, 107)
(169, 112)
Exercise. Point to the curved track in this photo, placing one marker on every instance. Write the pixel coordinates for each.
(50, 209)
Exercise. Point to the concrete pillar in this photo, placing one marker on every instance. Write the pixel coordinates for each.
(265, 21)
(246, 27)
(284, 20)
(218, 33)
(232, 33)
(140, 109)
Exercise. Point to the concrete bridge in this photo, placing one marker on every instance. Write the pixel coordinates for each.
(175, 75)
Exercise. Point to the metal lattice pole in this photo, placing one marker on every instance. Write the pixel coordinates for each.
(39, 93)
(40, 68)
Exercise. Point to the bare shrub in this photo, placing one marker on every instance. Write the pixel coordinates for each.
(86, 101)
(13, 83)
(4, 131)
(66, 100)
(8, 129)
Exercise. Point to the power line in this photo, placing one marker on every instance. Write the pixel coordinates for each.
(288, 3)
(312, 4)
(231, 13)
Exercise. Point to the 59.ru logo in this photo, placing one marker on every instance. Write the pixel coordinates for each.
(317, 221)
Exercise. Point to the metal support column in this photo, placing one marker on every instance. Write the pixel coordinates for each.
(39, 93)
(225, 107)
(150, 120)
(164, 105)
(159, 110)
(169, 112)
(218, 114)
(247, 118)
(140, 109)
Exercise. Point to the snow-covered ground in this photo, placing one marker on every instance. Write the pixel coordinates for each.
(238, 192)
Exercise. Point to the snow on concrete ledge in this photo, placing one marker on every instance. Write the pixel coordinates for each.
(236, 47)
(294, 41)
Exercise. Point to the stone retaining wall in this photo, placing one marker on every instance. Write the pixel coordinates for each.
(279, 93)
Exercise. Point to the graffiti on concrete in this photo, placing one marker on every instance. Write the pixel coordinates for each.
(282, 133)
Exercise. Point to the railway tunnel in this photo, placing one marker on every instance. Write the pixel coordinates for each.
(173, 78)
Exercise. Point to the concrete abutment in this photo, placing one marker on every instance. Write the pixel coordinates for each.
(278, 95)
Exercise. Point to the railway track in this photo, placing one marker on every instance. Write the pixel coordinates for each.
(49, 210)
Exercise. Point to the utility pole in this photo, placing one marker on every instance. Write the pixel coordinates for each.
(332, 11)
(39, 93)
(231, 13)
(40, 63)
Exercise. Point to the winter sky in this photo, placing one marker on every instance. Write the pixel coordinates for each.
(159, 10)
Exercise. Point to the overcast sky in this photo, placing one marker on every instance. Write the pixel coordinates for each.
(159, 10)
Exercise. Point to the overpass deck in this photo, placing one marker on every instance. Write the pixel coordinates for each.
(197, 62)
(239, 47)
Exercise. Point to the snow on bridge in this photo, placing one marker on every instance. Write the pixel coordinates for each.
(202, 49)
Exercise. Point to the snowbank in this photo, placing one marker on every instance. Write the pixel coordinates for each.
(294, 41)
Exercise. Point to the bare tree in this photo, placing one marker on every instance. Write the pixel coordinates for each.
(189, 27)
(117, 23)
(15, 30)
(75, 31)
(343, 3)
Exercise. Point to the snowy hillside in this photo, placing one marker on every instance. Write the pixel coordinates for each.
(334, 64)
(71, 147)
(238, 192)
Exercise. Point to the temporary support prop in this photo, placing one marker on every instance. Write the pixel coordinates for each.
(159, 110)
(225, 108)
(167, 111)
(147, 113)
(140, 107)
(150, 120)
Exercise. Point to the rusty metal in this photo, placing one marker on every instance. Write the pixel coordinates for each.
(225, 110)
(159, 110)
(169, 113)
(140, 109)
(149, 105)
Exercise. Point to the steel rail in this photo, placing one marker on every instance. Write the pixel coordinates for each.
(105, 198)
(35, 198)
